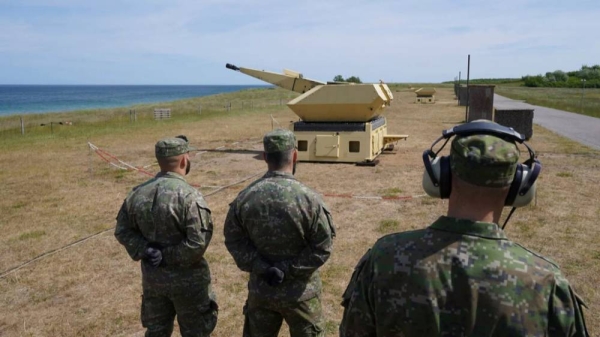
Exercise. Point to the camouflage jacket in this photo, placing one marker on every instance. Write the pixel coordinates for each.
(168, 213)
(458, 278)
(279, 221)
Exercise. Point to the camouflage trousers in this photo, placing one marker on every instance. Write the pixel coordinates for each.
(196, 316)
(264, 318)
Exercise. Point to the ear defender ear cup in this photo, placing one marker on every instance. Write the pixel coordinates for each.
(522, 190)
(445, 177)
(515, 186)
(439, 167)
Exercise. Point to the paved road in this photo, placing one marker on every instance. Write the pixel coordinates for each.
(583, 129)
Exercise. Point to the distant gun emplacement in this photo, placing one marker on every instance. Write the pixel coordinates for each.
(425, 95)
(340, 122)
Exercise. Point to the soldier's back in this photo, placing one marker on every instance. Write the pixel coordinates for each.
(467, 281)
(281, 216)
(278, 211)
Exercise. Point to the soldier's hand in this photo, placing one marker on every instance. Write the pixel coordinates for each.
(274, 276)
(153, 255)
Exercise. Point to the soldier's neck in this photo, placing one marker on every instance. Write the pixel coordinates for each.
(474, 210)
(287, 169)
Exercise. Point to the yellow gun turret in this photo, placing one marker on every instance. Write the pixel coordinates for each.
(340, 122)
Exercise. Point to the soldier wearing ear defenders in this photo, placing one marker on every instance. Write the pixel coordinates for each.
(462, 276)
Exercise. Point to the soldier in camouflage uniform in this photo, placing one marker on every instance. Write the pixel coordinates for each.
(462, 276)
(166, 223)
(280, 232)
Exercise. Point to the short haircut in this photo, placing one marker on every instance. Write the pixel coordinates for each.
(168, 163)
(278, 160)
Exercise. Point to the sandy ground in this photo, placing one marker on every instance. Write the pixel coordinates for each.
(581, 128)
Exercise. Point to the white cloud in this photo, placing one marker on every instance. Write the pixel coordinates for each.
(399, 41)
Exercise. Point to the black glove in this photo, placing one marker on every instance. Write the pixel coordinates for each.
(153, 256)
(183, 137)
(274, 276)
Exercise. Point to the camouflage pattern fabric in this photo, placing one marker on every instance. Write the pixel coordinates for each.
(196, 316)
(170, 147)
(279, 140)
(484, 160)
(167, 213)
(458, 278)
(277, 221)
(264, 318)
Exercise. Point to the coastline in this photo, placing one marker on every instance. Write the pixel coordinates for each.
(34, 99)
(246, 100)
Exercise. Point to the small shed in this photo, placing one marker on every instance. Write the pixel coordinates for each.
(516, 115)
(481, 102)
(462, 95)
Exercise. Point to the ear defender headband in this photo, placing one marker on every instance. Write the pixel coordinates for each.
(437, 178)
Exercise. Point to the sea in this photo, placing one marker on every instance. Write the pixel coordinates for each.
(29, 99)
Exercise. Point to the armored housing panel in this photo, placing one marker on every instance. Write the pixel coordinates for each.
(341, 103)
(342, 142)
(425, 99)
(481, 102)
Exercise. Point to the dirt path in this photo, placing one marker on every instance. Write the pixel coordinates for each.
(583, 129)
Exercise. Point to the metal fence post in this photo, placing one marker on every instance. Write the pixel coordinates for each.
(22, 125)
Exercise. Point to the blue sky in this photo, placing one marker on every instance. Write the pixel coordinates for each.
(189, 41)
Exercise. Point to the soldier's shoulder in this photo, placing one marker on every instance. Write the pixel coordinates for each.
(391, 241)
(148, 184)
(539, 258)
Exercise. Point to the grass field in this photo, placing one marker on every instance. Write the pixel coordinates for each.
(558, 98)
(56, 191)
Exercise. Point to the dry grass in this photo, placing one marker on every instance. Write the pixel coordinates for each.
(54, 191)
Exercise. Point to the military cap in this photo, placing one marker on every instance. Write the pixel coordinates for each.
(170, 147)
(484, 160)
(279, 140)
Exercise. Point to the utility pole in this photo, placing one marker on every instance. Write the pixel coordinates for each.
(582, 93)
(468, 77)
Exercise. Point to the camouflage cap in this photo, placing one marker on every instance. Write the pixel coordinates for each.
(279, 140)
(170, 147)
(484, 160)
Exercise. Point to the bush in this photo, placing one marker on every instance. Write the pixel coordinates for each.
(351, 79)
(561, 79)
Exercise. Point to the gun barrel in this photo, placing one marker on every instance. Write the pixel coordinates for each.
(232, 67)
(289, 80)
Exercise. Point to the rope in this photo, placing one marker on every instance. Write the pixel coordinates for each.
(54, 251)
(103, 154)
(375, 197)
(273, 120)
(51, 252)
(128, 167)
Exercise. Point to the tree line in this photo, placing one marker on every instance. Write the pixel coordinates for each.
(351, 79)
(561, 79)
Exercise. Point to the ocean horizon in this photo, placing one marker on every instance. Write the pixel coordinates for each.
(35, 98)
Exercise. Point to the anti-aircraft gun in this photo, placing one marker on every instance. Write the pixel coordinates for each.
(340, 122)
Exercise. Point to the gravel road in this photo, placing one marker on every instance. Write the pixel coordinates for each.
(583, 129)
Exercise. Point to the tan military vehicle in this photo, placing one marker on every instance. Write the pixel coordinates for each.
(339, 122)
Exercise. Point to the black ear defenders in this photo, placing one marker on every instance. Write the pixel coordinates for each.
(437, 178)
